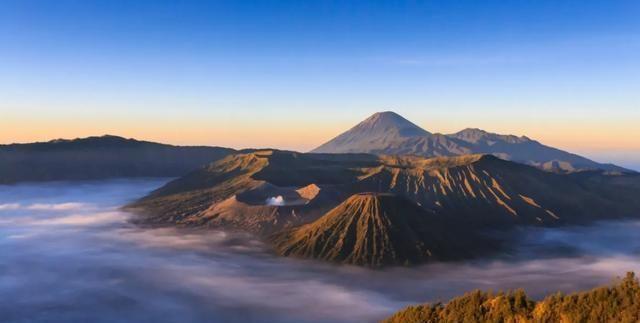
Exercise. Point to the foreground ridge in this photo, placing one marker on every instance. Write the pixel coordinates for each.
(617, 303)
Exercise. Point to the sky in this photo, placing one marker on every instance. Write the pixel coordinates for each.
(293, 74)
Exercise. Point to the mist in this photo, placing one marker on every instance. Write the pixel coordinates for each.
(69, 254)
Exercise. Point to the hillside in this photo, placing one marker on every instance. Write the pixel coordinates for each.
(617, 303)
(485, 190)
(478, 190)
(100, 158)
(374, 229)
(233, 192)
(390, 134)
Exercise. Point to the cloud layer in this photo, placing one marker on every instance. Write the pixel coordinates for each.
(74, 257)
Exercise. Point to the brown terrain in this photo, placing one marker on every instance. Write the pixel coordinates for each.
(472, 192)
(375, 229)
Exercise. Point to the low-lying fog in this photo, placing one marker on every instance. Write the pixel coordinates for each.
(68, 254)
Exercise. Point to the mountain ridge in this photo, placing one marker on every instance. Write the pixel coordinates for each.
(618, 302)
(390, 140)
(481, 189)
(100, 157)
(277, 193)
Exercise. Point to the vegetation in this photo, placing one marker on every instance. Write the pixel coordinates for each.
(617, 303)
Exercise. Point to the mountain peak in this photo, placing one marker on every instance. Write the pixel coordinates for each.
(374, 134)
(104, 141)
(386, 115)
(473, 131)
(388, 121)
(104, 138)
(475, 135)
(388, 133)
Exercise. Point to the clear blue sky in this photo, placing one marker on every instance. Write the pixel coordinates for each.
(291, 74)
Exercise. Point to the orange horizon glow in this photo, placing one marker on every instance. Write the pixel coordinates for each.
(579, 136)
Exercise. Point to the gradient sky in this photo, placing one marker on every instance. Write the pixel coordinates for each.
(292, 74)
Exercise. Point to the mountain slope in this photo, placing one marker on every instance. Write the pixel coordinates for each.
(375, 229)
(486, 190)
(383, 210)
(474, 190)
(99, 158)
(389, 133)
(234, 192)
(527, 151)
(382, 129)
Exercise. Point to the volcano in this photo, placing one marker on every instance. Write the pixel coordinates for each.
(378, 210)
(388, 133)
(375, 229)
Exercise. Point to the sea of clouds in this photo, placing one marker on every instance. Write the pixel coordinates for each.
(69, 254)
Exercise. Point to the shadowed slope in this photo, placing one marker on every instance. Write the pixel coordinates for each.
(197, 191)
(375, 229)
(100, 158)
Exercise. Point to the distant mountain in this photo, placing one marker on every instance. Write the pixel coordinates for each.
(390, 133)
(271, 192)
(375, 229)
(100, 158)
(380, 131)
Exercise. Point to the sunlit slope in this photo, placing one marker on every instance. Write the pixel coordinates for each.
(233, 192)
(488, 190)
(617, 303)
(182, 198)
(374, 229)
